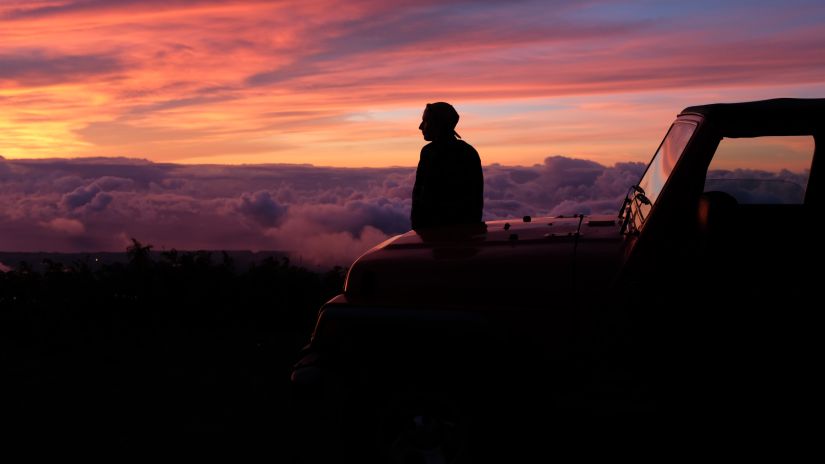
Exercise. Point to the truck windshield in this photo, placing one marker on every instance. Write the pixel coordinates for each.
(645, 194)
(665, 158)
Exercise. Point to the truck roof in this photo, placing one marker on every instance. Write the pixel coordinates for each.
(779, 116)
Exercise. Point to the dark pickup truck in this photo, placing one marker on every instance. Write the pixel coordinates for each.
(690, 316)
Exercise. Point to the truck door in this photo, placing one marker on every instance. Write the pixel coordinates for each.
(753, 218)
(758, 251)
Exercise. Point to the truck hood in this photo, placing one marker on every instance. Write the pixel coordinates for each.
(500, 263)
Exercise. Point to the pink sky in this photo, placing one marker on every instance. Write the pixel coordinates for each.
(343, 83)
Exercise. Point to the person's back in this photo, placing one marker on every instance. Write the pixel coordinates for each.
(449, 184)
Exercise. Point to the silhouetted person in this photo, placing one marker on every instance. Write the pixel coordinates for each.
(449, 184)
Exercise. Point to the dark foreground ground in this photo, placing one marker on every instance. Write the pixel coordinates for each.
(184, 351)
(191, 351)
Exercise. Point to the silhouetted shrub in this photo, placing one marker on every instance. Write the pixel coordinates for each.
(186, 340)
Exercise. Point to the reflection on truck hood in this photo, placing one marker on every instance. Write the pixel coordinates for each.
(509, 263)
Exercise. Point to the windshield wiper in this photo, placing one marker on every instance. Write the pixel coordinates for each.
(640, 194)
(634, 193)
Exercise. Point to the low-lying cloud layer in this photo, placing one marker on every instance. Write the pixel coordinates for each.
(322, 216)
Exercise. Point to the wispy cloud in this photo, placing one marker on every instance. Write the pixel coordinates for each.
(38, 67)
(343, 83)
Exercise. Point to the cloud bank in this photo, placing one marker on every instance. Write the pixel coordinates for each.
(321, 216)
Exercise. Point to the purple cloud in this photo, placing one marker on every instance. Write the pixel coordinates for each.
(261, 208)
(560, 185)
(320, 215)
(41, 68)
(79, 197)
(31, 9)
(93, 194)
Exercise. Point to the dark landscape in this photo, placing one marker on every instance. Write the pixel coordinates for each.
(567, 228)
(172, 348)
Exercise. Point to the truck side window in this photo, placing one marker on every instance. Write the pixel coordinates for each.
(762, 170)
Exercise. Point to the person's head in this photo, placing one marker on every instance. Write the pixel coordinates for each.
(438, 121)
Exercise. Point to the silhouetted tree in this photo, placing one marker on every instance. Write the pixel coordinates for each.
(139, 254)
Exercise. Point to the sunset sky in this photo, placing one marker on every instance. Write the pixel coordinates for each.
(343, 83)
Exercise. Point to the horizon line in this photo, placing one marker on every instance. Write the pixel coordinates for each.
(144, 161)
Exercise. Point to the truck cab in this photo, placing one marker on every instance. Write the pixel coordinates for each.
(692, 304)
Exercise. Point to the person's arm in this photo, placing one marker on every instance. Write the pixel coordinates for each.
(478, 191)
(416, 211)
